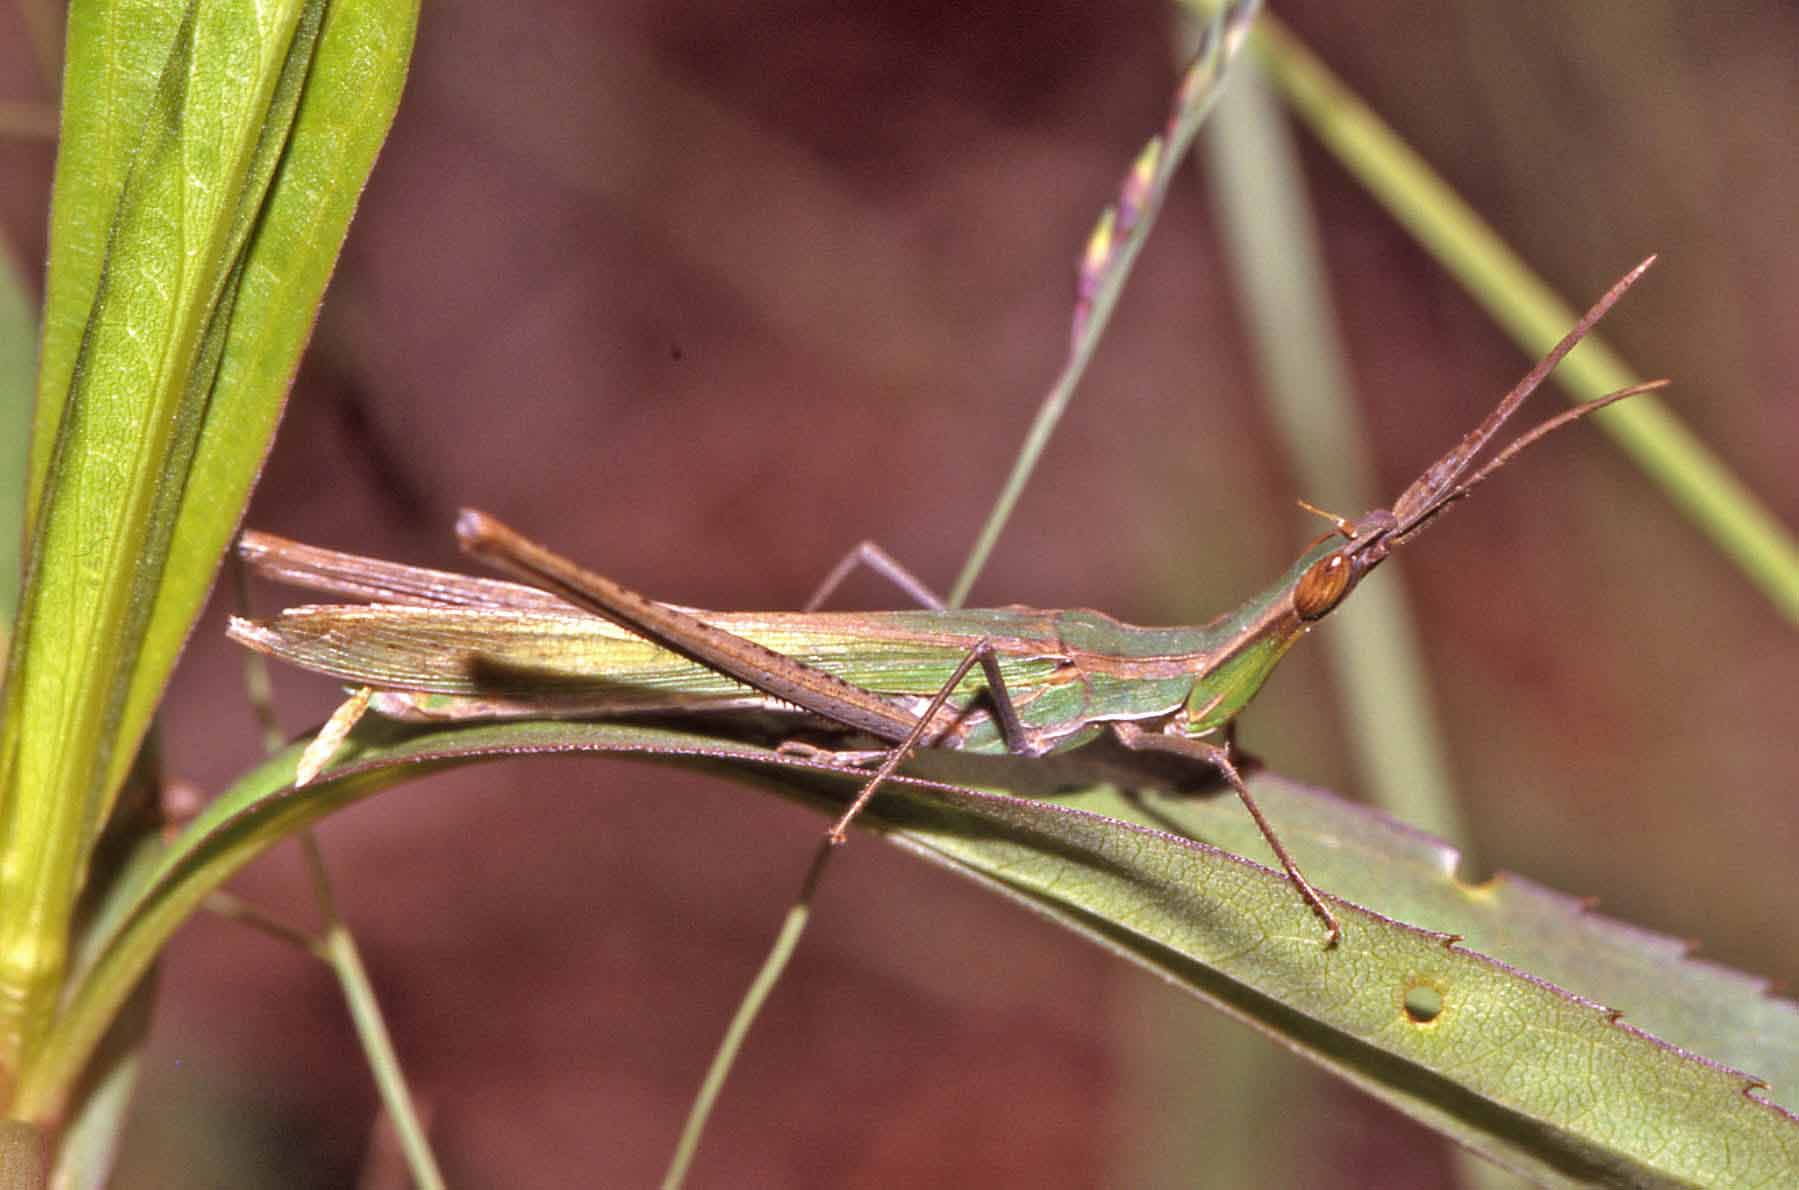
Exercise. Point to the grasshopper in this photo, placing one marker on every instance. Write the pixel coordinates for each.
(575, 643)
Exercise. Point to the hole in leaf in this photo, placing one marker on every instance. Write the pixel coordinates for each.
(1423, 1002)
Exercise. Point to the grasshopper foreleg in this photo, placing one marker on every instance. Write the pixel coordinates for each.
(1134, 737)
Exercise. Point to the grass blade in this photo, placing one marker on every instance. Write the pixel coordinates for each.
(1111, 253)
(201, 203)
(116, 52)
(1579, 1093)
(1694, 479)
(105, 492)
(1278, 272)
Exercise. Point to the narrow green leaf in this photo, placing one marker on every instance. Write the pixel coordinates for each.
(257, 139)
(116, 52)
(1367, 857)
(116, 470)
(1537, 1077)
(1540, 1080)
(350, 98)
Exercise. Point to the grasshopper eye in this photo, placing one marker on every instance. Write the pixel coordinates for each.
(1322, 587)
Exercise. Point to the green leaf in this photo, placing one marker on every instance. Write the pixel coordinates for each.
(348, 105)
(1537, 1077)
(115, 473)
(112, 479)
(1367, 857)
(115, 54)
(240, 158)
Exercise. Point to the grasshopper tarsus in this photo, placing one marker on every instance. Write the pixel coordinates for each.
(869, 554)
(1221, 759)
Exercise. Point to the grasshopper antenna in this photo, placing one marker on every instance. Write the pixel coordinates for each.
(1376, 534)
(1438, 483)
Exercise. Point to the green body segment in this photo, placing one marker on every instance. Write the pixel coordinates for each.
(1069, 672)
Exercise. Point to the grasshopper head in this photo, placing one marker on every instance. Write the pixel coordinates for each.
(1369, 539)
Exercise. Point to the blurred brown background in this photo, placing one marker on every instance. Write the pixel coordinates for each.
(704, 293)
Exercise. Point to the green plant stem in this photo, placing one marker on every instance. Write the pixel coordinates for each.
(335, 945)
(1277, 268)
(786, 942)
(1113, 266)
(232, 907)
(338, 947)
(1693, 478)
(1199, 91)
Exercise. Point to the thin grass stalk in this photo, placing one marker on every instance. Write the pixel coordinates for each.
(339, 949)
(1694, 479)
(1111, 252)
(1277, 269)
(768, 976)
(335, 945)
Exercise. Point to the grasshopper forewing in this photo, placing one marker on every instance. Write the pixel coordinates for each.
(447, 645)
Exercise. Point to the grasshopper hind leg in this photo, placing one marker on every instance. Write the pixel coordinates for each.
(904, 748)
